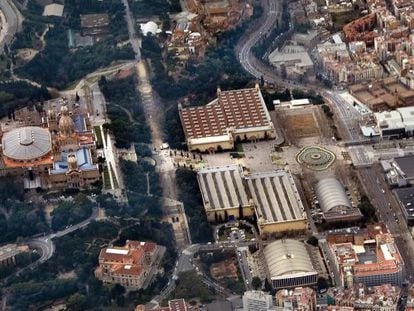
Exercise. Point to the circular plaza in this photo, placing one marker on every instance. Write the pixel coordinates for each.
(315, 158)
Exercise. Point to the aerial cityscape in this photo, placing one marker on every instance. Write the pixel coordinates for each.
(207, 155)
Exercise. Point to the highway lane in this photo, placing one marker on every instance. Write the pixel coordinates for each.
(14, 22)
(245, 55)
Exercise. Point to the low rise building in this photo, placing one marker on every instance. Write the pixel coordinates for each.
(236, 115)
(368, 256)
(173, 305)
(405, 198)
(396, 123)
(131, 265)
(223, 193)
(257, 301)
(293, 59)
(360, 297)
(383, 94)
(273, 197)
(95, 25)
(53, 9)
(278, 205)
(297, 299)
(289, 264)
(410, 299)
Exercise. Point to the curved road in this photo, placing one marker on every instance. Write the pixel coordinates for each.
(256, 67)
(45, 244)
(13, 22)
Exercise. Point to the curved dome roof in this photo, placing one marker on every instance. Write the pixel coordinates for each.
(331, 194)
(66, 124)
(287, 257)
(149, 27)
(26, 143)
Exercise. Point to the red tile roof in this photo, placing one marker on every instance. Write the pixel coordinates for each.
(127, 260)
(239, 109)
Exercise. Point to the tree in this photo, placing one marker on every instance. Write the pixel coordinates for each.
(313, 241)
(256, 282)
(267, 286)
(322, 283)
(76, 302)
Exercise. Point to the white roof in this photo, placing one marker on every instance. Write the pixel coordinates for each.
(385, 250)
(300, 102)
(286, 258)
(389, 119)
(331, 194)
(209, 140)
(337, 39)
(26, 143)
(149, 28)
(53, 9)
(117, 251)
(407, 114)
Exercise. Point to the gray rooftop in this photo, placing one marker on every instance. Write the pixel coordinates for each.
(406, 164)
(26, 143)
(222, 187)
(286, 258)
(406, 198)
(276, 197)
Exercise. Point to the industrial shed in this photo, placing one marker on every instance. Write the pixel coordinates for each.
(331, 195)
(289, 264)
(334, 202)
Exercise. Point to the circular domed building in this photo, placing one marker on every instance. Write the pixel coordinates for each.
(26, 144)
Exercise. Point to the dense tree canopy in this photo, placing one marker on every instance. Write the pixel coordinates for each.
(70, 213)
(201, 231)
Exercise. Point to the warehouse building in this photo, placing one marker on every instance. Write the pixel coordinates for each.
(279, 207)
(235, 115)
(334, 202)
(289, 264)
(272, 196)
(224, 194)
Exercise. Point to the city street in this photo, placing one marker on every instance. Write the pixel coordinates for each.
(372, 180)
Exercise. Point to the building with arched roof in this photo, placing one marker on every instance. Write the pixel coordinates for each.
(289, 264)
(334, 201)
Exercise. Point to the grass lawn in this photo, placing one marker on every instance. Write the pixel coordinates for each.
(106, 178)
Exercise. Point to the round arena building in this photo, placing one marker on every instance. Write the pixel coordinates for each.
(26, 144)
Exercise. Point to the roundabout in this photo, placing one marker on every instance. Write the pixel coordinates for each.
(315, 158)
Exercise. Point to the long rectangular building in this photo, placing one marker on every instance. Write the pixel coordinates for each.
(224, 193)
(272, 196)
(279, 207)
(234, 115)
